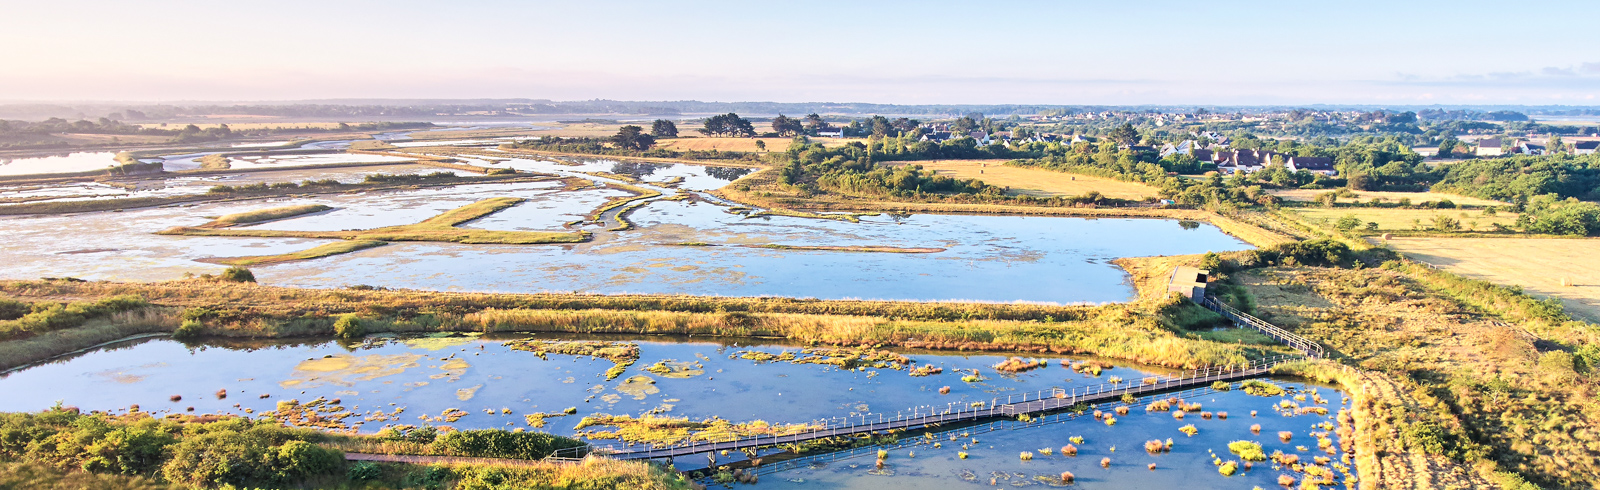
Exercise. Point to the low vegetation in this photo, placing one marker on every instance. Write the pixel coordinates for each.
(269, 214)
(441, 228)
(63, 448)
(317, 252)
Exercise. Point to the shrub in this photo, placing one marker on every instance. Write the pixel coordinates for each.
(363, 471)
(238, 274)
(188, 330)
(348, 327)
(502, 444)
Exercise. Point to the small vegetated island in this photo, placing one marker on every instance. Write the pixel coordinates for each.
(1453, 381)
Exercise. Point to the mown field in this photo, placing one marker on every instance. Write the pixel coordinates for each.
(1367, 196)
(1396, 219)
(1538, 265)
(1037, 182)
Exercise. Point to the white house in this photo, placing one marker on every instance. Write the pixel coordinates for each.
(1489, 147)
(1585, 147)
(1316, 165)
(1527, 148)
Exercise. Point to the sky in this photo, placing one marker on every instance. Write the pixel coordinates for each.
(915, 52)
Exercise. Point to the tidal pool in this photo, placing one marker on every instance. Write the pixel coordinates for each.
(387, 380)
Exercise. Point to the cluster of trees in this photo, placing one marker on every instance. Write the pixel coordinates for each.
(850, 170)
(729, 125)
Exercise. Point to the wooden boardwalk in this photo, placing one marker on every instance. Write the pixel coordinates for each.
(1040, 402)
(1037, 403)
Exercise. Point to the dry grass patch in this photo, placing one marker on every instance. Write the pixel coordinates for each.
(317, 252)
(1387, 196)
(1037, 182)
(741, 144)
(1564, 268)
(1396, 219)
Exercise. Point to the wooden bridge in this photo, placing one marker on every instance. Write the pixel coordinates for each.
(1035, 403)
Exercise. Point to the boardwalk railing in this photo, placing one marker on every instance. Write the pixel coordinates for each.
(1302, 344)
(1043, 401)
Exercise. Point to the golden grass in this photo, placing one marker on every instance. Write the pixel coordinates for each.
(269, 214)
(1538, 265)
(1036, 182)
(441, 228)
(1396, 219)
(317, 252)
(1387, 196)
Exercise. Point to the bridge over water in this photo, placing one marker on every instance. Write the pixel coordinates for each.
(1035, 403)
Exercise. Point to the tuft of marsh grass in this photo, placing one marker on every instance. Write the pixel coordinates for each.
(269, 214)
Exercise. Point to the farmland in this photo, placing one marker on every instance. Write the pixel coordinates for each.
(1037, 182)
(1395, 219)
(1538, 265)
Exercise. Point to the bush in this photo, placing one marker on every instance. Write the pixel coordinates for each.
(502, 444)
(188, 330)
(348, 327)
(11, 309)
(363, 471)
(238, 274)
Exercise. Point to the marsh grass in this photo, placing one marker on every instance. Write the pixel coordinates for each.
(324, 250)
(270, 214)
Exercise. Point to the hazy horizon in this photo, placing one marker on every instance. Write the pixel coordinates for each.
(1235, 53)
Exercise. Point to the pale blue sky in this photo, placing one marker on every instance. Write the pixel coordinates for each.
(1155, 52)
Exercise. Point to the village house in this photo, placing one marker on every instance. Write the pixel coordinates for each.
(1527, 148)
(1316, 165)
(1585, 147)
(1489, 147)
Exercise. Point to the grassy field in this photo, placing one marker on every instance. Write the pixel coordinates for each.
(441, 228)
(1037, 182)
(1368, 196)
(1395, 219)
(1538, 265)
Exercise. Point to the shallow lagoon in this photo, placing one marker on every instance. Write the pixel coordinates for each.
(429, 375)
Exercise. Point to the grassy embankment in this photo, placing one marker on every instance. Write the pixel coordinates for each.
(1037, 182)
(640, 197)
(441, 228)
(1127, 331)
(1456, 382)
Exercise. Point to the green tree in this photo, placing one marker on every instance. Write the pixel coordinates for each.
(761, 145)
(663, 128)
(814, 123)
(786, 126)
(1125, 134)
(632, 137)
(729, 124)
(1347, 222)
